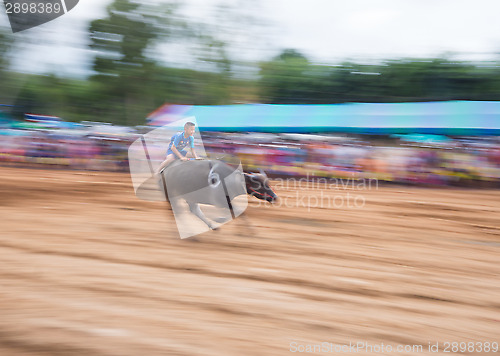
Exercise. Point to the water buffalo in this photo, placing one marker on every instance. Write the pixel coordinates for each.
(211, 182)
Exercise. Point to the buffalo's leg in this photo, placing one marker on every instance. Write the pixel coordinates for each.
(195, 209)
(249, 228)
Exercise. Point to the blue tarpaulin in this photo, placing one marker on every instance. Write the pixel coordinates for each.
(448, 118)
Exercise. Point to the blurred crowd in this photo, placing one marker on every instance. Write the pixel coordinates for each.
(51, 149)
(465, 161)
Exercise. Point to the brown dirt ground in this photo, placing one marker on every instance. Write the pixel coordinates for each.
(88, 269)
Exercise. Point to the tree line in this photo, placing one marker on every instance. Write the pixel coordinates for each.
(127, 83)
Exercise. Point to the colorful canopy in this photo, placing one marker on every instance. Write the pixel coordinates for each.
(448, 118)
(5, 119)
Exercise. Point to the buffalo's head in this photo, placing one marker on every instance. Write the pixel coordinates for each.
(258, 186)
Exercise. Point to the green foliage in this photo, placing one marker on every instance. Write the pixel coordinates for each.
(286, 78)
(291, 78)
(128, 84)
(121, 64)
(6, 41)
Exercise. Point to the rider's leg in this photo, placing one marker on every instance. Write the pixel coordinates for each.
(170, 158)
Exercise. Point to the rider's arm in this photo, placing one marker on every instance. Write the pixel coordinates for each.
(193, 153)
(176, 152)
(191, 146)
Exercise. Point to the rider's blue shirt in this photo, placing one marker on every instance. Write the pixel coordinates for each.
(180, 142)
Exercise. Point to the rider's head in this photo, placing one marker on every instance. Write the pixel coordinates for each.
(189, 128)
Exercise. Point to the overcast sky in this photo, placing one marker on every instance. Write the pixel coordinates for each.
(326, 31)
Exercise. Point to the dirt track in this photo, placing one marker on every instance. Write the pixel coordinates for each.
(88, 269)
